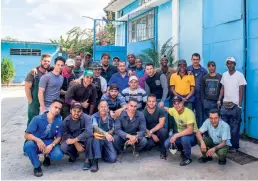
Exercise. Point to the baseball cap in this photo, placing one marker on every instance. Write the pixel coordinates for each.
(69, 62)
(76, 105)
(88, 73)
(133, 78)
(231, 59)
(211, 63)
(113, 87)
(182, 61)
(96, 65)
(177, 99)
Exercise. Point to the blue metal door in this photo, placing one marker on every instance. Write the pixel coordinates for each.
(252, 69)
(110, 37)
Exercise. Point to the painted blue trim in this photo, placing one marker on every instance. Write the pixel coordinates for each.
(126, 36)
(142, 14)
(155, 29)
(94, 40)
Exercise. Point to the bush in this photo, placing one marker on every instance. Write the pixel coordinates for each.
(7, 71)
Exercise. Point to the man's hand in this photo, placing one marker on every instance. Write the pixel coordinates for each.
(130, 73)
(43, 109)
(203, 147)
(109, 137)
(33, 72)
(118, 112)
(219, 104)
(155, 138)
(79, 147)
(148, 133)
(111, 132)
(133, 139)
(41, 145)
(173, 138)
(210, 152)
(184, 99)
(85, 104)
(70, 141)
(113, 114)
(30, 101)
(76, 81)
(48, 149)
(161, 104)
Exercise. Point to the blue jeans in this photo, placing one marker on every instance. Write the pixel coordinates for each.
(198, 108)
(183, 144)
(166, 104)
(31, 149)
(207, 106)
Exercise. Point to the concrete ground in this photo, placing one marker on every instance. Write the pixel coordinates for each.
(148, 166)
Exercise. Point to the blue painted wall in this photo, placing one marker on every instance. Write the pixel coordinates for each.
(23, 64)
(190, 28)
(129, 8)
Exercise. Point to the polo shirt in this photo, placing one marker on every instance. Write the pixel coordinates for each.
(138, 94)
(182, 120)
(182, 84)
(106, 125)
(122, 82)
(106, 74)
(40, 127)
(114, 104)
(218, 134)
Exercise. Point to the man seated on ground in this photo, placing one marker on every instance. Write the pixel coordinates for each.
(218, 139)
(130, 129)
(184, 137)
(116, 102)
(155, 121)
(104, 125)
(136, 92)
(43, 135)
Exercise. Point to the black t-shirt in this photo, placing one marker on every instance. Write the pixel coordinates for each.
(153, 119)
(211, 87)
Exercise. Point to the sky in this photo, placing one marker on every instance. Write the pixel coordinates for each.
(41, 20)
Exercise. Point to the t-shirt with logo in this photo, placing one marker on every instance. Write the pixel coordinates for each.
(211, 87)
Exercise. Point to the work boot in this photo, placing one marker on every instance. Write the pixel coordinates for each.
(87, 164)
(94, 165)
(204, 159)
(222, 162)
(185, 162)
(38, 172)
(46, 162)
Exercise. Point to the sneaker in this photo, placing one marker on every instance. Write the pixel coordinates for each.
(38, 172)
(204, 159)
(185, 162)
(94, 166)
(163, 156)
(120, 157)
(222, 162)
(46, 162)
(87, 165)
(71, 160)
(232, 150)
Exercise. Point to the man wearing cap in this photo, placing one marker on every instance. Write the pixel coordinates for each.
(116, 102)
(85, 93)
(198, 72)
(130, 129)
(233, 83)
(182, 84)
(184, 135)
(107, 69)
(77, 67)
(136, 92)
(121, 78)
(131, 60)
(210, 89)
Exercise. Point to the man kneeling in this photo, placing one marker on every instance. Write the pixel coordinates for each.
(43, 135)
(218, 140)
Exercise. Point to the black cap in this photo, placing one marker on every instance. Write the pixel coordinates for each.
(211, 63)
(177, 99)
(96, 65)
(182, 61)
(113, 87)
(76, 105)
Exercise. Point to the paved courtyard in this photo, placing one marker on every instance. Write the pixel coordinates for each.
(148, 166)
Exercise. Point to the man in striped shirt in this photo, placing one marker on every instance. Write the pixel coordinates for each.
(136, 92)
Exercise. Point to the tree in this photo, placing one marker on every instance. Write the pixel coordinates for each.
(7, 71)
(167, 49)
(8, 38)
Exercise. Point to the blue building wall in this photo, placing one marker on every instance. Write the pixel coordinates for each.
(23, 64)
(129, 8)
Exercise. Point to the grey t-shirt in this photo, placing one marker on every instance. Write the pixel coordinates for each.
(153, 119)
(52, 84)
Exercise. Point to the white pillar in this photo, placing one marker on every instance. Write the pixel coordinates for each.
(175, 28)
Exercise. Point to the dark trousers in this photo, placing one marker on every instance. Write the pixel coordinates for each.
(119, 143)
(198, 108)
(207, 106)
(105, 149)
(162, 134)
(233, 118)
(184, 144)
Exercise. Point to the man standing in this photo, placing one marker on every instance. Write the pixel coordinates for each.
(50, 85)
(32, 86)
(115, 61)
(210, 89)
(156, 84)
(43, 135)
(85, 93)
(121, 78)
(155, 122)
(182, 84)
(104, 125)
(77, 68)
(86, 61)
(136, 92)
(233, 83)
(107, 69)
(218, 138)
(131, 60)
(184, 137)
(140, 73)
(198, 71)
(130, 129)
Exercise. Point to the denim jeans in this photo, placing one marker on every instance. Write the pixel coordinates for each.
(207, 106)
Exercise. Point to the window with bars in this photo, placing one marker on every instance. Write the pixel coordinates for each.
(142, 28)
(25, 51)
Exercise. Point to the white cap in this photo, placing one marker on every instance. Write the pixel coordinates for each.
(231, 59)
(133, 78)
(69, 62)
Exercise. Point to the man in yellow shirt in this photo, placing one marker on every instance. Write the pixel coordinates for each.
(183, 84)
(184, 137)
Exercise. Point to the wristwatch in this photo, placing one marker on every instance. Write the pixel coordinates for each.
(53, 144)
(150, 132)
(218, 102)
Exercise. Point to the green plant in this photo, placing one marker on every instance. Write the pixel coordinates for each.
(7, 71)
(167, 49)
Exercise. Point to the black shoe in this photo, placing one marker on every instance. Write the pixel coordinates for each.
(46, 162)
(94, 165)
(163, 156)
(38, 172)
(222, 162)
(120, 157)
(87, 165)
(182, 156)
(71, 160)
(204, 159)
(232, 150)
(185, 162)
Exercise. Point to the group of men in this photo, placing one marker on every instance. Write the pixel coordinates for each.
(83, 106)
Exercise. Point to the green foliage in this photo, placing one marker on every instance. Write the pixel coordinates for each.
(167, 49)
(7, 71)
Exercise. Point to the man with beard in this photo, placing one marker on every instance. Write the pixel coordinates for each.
(86, 61)
(85, 93)
(32, 86)
(107, 69)
(77, 67)
(131, 60)
(50, 85)
(140, 72)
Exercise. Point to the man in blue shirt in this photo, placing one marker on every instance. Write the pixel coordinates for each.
(43, 135)
(121, 78)
(198, 71)
(218, 139)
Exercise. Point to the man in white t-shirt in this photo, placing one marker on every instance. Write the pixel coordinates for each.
(233, 83)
